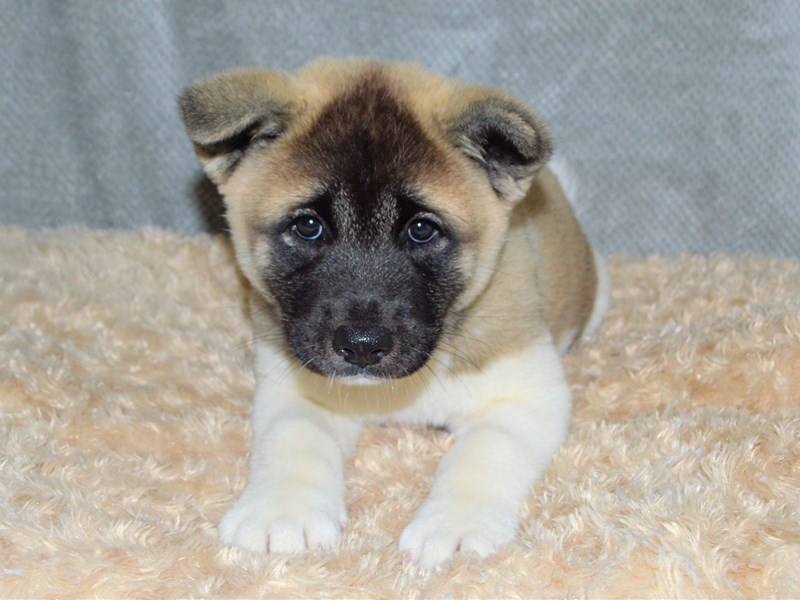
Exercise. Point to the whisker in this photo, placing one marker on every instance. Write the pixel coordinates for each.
(451, 350)
(435, 375)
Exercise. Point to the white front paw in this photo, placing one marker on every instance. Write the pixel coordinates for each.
(441, 529)
(261, 524)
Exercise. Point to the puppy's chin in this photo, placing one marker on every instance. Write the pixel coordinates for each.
(361, 380)
(356, 377)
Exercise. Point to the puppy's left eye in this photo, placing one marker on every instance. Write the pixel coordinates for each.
(422, 231)
(308, 227)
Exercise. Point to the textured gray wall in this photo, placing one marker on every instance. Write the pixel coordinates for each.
(681, 119)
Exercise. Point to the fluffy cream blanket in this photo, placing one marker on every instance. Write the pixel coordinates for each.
(125, 385)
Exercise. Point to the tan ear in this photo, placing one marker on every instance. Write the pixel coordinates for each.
(230, 113)
(505, 138)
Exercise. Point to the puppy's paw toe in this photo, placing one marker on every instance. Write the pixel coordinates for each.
(428, 547)
(434, 537)
(481, 545)
(259, 527)
(321, 532)
(245, 527)
(314, 531)
(286, 537)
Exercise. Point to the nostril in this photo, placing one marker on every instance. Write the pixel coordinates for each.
(341, 342)
(345, 353)
(362, 345)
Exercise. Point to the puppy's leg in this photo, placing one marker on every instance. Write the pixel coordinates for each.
(294, 499)
(499, 451)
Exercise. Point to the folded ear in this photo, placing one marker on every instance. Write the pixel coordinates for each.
(228, 114)
(504, 137)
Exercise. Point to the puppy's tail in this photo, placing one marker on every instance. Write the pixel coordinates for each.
(569, 183)
(567, 179)
(565, 175)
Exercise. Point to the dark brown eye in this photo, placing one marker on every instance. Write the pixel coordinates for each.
(308, 227)
(422, 231)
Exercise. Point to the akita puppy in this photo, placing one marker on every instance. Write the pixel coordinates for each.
(412, 260)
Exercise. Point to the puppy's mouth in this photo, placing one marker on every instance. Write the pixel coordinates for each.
(363, 353)
(362, 380)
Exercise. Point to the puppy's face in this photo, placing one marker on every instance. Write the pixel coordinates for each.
(367, 202)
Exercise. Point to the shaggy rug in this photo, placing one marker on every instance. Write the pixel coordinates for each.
(125, 385)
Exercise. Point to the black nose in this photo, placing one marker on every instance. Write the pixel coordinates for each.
(362, 345)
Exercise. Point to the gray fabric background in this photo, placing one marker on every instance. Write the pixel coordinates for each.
(680, 119)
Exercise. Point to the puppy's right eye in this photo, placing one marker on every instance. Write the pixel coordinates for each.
(308, 227)
(422, 231)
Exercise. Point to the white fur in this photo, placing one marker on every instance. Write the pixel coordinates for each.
(295, 492)
(508, 421)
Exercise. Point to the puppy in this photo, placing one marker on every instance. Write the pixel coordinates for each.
(412, 260)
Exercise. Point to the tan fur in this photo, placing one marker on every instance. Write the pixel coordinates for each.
(545, 269)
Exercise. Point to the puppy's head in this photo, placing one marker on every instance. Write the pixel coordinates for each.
(367, 201)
